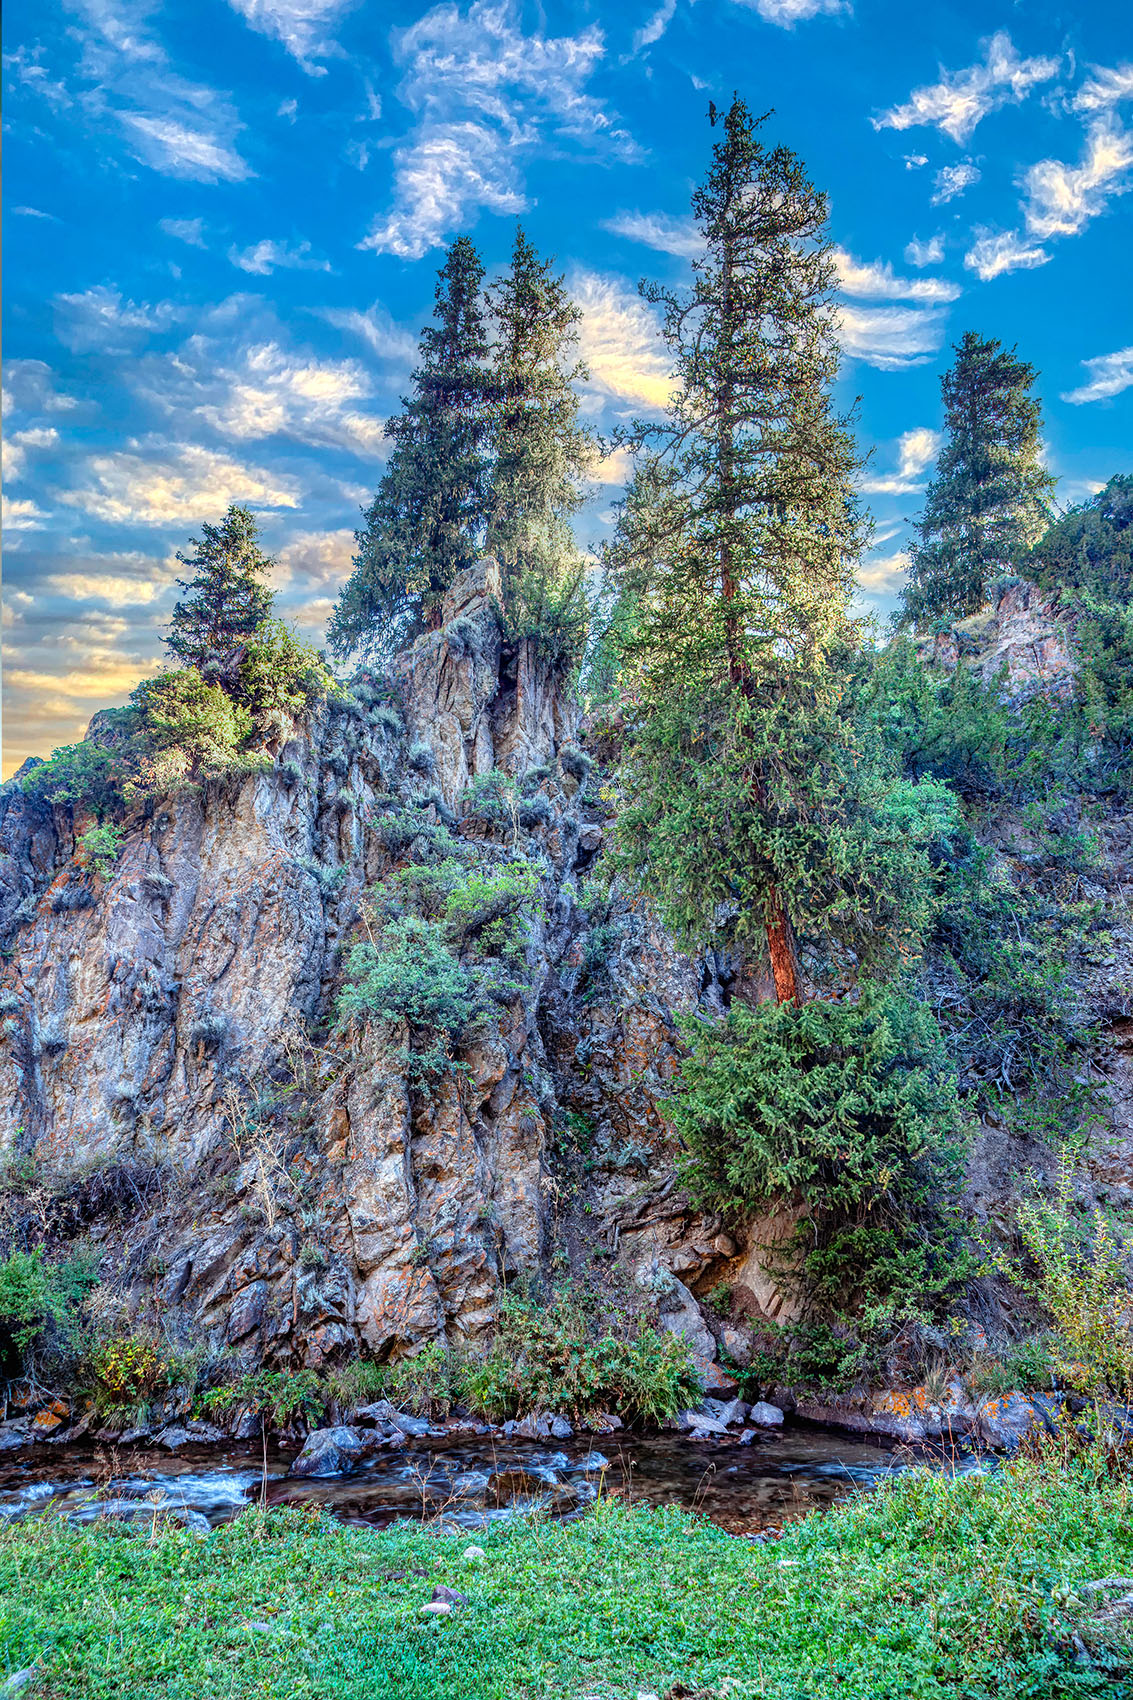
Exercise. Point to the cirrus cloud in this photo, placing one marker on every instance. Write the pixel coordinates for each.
(961, 99)
(1110, 374)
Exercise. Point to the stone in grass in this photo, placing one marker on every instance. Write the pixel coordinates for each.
(764, 1415)
(474, 1555)
(444, 1602)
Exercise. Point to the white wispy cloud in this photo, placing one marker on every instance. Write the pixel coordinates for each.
(1061, 199)
(145, 581)
(35, 212)
(875, 280)
(916, 450)
(440, 177)
(1109, 374)
(273, 391)
(884, 574)
(184, 150)
(890, 338)
(914, 161)
(994, 253)
(315, 557)
(123, 77)
(668, 235)
(168, 484)
(303, 26)
(1108, 86)
(29, 387)
(267, 256)
(620, 341)
(190, 230)
(957, 103)
(19, 445)
(375, 327)
(102, 319)
(655, 26)
(928, 253)
(485, 94)
(952, 180)
(787, 13)
(22, 515)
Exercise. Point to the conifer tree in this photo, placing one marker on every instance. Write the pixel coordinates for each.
(227, 605)
(540, 451)
(989, 502)
(735, 553)
(427, 518)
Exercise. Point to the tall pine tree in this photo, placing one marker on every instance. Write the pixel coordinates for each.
(427, 519)
(227, 604)
(756, 811)
(541, 453)
(989, 502)
(735, 555)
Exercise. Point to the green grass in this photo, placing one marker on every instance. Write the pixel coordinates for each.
(963, 1588)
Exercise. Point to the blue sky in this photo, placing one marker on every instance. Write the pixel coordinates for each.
(224, 217)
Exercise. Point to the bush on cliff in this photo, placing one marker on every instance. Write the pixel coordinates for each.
(412, 976)
(851, 1109)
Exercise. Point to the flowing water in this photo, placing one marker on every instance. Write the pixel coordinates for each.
(779, 1477)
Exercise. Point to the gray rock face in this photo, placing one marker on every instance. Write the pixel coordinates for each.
(309, 1197)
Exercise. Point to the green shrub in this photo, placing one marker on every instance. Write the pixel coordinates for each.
(1082, 1277)
(27, 1298)
(850, 1109)
(1011, 1004)
(195, 729)
(567, 1356)
(100, 846)
(412, 975)
(36, 1295)
(279, 674)
(87, 774)
(275, 1395)
(490, 797)
(126, 1370)
(482, 899)
(545, 603)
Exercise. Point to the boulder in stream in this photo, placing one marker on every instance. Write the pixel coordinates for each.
(329, 1451)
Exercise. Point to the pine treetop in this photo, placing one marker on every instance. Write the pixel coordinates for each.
(989, 502)
(227, 604)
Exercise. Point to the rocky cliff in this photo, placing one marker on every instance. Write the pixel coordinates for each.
(268, 1181)
(253, 1170)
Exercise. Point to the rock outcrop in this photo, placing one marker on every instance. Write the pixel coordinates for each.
(289, 1188)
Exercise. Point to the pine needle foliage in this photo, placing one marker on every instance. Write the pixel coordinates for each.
(989, 502)
(227, 604)
(848, 1112)
(540, 452)
(427, 519)
(733, 567)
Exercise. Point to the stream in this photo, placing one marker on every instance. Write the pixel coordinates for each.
(748, 1490)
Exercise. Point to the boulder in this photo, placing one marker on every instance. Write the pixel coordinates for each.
(381, 1411)
(1003, 1422)
(173, 1436)
(700, 1422)
(329, 1452)
(765, 1415)
(15, 1434)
